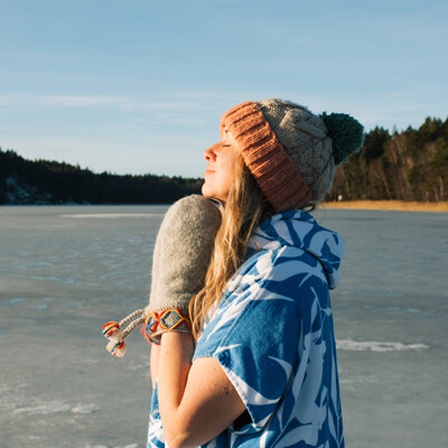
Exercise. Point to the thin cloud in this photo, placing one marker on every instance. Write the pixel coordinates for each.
(27, 99)
(124, 103)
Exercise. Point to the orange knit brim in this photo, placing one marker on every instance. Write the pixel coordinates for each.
(276, 175)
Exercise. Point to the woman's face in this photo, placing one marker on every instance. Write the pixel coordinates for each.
(220, 172)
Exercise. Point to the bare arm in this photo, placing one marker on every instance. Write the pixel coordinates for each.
(154, 363)
(197, 401)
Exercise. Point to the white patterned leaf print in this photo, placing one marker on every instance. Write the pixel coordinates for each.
(226, 315)
(320, 239)
(227, 347)
(312, 407)
(251, 396)
(211, 444)
(286, 366)
(293, 437)
(290, 268)
(229, 309)
(291, 237)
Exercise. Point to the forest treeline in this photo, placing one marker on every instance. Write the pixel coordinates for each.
(47, 182)
(411, 165)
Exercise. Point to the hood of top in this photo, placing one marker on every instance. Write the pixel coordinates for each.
(299, 229)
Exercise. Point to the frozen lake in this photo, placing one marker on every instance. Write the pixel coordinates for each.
(64, 271)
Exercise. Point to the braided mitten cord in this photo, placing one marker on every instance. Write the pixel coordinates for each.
(116, 334)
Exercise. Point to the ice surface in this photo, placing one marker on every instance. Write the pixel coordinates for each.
(64, 271)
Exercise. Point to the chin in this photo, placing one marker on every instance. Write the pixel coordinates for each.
(206, 190)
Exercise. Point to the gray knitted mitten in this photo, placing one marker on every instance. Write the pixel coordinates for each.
(181, 256)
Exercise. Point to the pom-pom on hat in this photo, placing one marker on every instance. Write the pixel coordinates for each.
(291, 152)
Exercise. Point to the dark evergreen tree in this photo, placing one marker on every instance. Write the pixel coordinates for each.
(411, 165)
(59, 183)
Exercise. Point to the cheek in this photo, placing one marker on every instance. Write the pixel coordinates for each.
(228, 177)
(231, 165)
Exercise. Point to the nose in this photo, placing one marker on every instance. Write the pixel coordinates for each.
(210, 153)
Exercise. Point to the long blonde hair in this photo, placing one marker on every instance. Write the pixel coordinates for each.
(244, 209)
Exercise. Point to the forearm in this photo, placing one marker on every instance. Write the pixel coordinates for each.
(197, 401)
(154, 363)
(174, 363)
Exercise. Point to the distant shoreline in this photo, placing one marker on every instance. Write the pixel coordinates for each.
(438, 207)
(389, 205)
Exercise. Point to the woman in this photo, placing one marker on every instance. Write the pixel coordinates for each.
(259, 366)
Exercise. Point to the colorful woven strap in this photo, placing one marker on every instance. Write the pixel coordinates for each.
(171, 319)
(154, 325)
(116, 334)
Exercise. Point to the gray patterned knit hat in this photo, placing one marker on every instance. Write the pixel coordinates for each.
(292, 153)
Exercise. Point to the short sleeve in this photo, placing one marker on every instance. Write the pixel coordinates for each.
(256, 331)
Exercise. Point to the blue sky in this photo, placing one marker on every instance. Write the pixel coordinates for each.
(138, 86)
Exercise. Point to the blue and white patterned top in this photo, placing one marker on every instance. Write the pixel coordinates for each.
(273, 335)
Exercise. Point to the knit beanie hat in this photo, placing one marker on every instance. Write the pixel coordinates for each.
(291, 152)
